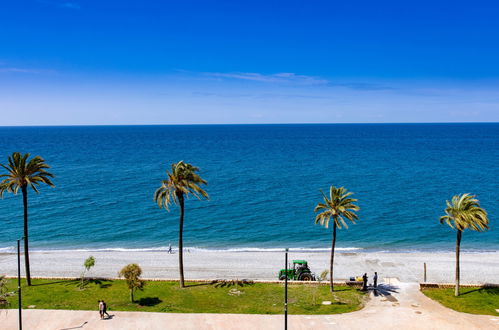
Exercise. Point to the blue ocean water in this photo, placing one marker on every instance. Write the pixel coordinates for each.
(264, 182)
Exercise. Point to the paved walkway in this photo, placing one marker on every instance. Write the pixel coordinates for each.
(395, 306)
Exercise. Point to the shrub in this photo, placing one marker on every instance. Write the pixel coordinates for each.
(132, 273)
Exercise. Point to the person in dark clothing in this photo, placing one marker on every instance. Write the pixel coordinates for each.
(364, 282)
(104, 309)
(375, 279)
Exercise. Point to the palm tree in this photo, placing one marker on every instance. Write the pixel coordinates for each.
(23, 173)
(463, 212)
(182, 181)
(338, 206)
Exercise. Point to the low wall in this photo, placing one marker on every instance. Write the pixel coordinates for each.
(348, 283)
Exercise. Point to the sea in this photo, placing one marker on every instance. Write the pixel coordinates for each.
(263, 183)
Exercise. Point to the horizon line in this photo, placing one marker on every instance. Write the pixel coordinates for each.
(257, 124)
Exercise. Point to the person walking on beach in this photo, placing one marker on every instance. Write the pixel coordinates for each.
(101, 309)
(104, 309)
(170, 248)
(375, 280)
(364, 282)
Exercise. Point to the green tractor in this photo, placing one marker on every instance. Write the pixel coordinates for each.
(300, 272)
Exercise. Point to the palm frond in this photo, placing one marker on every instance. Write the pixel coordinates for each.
(23, 173)
(338, 205)
(182, 181)
(464, 212)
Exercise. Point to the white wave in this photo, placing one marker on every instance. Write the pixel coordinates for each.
(8, 249)
(304, 249)
(12, 249)
(194, 249)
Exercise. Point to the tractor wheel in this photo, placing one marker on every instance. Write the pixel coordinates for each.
(282, 277)
(306, 277)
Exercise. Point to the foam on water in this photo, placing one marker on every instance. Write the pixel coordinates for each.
(190, 249)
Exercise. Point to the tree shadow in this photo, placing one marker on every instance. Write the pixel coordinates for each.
(149, 301)
(197, 284)
(67, 282)
(103, 284)
(231, 283)
(485, 289)
(385, 290)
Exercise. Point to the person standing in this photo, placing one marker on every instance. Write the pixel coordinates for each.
(170, 248)
(101, 309)
(375, 279)
(364, 282)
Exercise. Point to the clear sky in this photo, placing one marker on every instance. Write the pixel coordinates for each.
(181, 62)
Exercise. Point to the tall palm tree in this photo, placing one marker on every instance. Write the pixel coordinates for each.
(338, 206)
(182, 181)
(23, 173)
(463, 212)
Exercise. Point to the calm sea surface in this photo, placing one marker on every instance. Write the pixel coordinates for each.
(264, 182)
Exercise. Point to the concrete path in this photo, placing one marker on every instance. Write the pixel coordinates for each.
(394, 306)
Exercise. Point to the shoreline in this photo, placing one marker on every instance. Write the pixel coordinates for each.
(476, 268)
(164, 249)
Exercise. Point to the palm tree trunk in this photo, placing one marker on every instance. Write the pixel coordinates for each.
(332, 257)
(26, 247)
(458, 247)
(180, 241)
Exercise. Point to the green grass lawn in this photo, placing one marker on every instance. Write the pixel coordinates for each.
(472, 300)
(258, 298)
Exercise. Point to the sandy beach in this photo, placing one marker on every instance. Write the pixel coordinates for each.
(200, 264)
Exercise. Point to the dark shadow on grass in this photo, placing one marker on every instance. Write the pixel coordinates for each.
(103, 284)
(68, 282)
(197, 284)
(231, 283)
(149, 301)
(487, 290)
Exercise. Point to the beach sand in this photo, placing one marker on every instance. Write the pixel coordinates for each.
(477, 268)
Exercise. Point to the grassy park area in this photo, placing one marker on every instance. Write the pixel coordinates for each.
(257, 298)
(472, 300)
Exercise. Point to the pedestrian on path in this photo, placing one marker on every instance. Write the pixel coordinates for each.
(104, 309)
(364, 282)
(375, 279)
(101, 309)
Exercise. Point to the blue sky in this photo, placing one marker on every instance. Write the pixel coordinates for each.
(201, 62)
